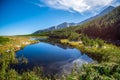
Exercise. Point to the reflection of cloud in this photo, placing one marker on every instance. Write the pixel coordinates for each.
(66, 66)
(77, 5)
(84, 59)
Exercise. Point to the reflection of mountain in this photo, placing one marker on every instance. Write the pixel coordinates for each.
(65, 24)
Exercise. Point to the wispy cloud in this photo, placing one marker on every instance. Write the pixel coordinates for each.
(38, 4)
(80, 6)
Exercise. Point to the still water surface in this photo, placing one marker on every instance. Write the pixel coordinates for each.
(53, 58)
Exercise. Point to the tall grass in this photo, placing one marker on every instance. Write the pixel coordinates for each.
(105, 70)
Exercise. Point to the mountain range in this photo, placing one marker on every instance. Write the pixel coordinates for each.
(65, 24)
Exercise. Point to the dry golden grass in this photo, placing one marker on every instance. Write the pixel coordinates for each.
(15, 44)
(64, 41)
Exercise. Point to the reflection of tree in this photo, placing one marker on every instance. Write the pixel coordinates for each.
(57, 43)
(62, 46)
(39, 39)
(22, 60)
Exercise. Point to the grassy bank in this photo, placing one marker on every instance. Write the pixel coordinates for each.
(97, 49)
(13, 43)
(107, 69)
(8, 46)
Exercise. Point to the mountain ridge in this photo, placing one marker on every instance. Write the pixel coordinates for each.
(104, 12)
(65, 24)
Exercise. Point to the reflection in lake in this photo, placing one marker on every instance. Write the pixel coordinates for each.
(54, 59)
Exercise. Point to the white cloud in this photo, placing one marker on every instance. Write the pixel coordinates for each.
(77, 5)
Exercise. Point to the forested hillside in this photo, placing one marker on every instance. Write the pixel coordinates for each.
(106, 27)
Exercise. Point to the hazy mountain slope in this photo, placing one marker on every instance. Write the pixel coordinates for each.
(104, 12)
(60, 26)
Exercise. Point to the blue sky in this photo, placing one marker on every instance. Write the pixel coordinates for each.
(19, 17)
